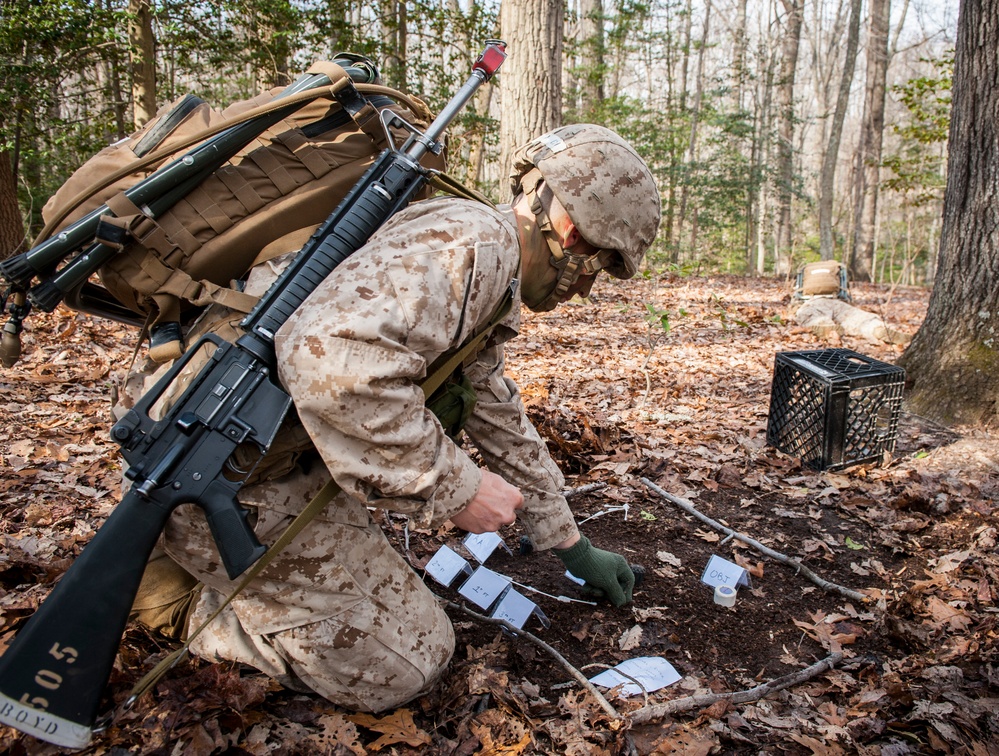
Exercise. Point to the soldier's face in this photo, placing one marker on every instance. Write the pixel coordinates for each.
(538, 276)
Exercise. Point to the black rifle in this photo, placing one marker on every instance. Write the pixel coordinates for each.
(53, 674)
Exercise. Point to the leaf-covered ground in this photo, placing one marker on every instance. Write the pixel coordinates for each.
(624, 404)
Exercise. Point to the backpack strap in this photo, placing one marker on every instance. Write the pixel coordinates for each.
(360, 109)
(449, 184)
(174, 285)
(444, 366)
(297, 239)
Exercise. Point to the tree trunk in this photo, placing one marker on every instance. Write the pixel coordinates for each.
(869, 151)
(758, 197)
(688, 24)
(676, 107)
(477, 148)
(785, 138)
(591, 60)
(747, 144)
(11, 223)
(671, 156)
(953, 361)
(739, 72)
(695, 113)
(827, 179)
(531, 82)
(142, 56)
(393, 23)
(116, 96)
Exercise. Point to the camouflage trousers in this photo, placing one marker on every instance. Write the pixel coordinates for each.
(339, 612)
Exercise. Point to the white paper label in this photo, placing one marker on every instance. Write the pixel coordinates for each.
(553, 142)
(482, 545)
(484, 587)
(723, 572)
(446, 565)
(653, 672)
(573, 578)
(514, 608)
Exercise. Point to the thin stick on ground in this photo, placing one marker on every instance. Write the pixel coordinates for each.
(579, 490)
(678, 705)
(827, 585)
(521, 633)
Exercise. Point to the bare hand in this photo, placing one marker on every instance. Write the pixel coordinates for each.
(494, 505)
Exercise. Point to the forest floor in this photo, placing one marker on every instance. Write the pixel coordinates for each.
(909, 643)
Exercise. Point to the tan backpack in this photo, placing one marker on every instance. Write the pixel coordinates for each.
(827, 278)
(290, 178)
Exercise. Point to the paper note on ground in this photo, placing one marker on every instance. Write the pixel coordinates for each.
(446, 565)
(515, 608)
(573, 578)
(653, 672)
(482, 545)
(484, 587)
(723, 572)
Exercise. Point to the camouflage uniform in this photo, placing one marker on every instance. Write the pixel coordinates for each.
(340, 612)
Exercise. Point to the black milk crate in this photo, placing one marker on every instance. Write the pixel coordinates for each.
(834, 407)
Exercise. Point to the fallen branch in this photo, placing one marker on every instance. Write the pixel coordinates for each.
(579, 490)
(677, 705)
(688, 506)
(521, 633)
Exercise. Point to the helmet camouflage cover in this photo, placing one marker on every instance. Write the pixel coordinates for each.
(603, 184)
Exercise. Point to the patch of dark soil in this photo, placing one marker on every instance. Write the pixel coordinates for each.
(756, 640)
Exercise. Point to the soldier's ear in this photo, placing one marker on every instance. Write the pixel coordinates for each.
(571, 236)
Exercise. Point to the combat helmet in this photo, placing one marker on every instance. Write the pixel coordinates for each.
(603, 184)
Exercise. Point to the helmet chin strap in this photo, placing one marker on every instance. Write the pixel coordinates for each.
(570, 266)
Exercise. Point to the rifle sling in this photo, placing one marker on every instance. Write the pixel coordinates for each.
(440, 371)
(297, 239)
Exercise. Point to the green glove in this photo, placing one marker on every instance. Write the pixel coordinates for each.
(606, 573)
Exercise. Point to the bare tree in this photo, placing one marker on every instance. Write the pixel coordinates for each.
(591, 60)
(688, 23)
(739, 41)
(953, 361)
(11, 223)
(393, 25)
(695, 113)
(142, 56)
(869, 149)
(531, 80)
(827, 179)
(481, 104)
(758, 205)
(786, 119)
(477, 139)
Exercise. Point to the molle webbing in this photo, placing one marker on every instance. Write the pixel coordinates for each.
(291, 176)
